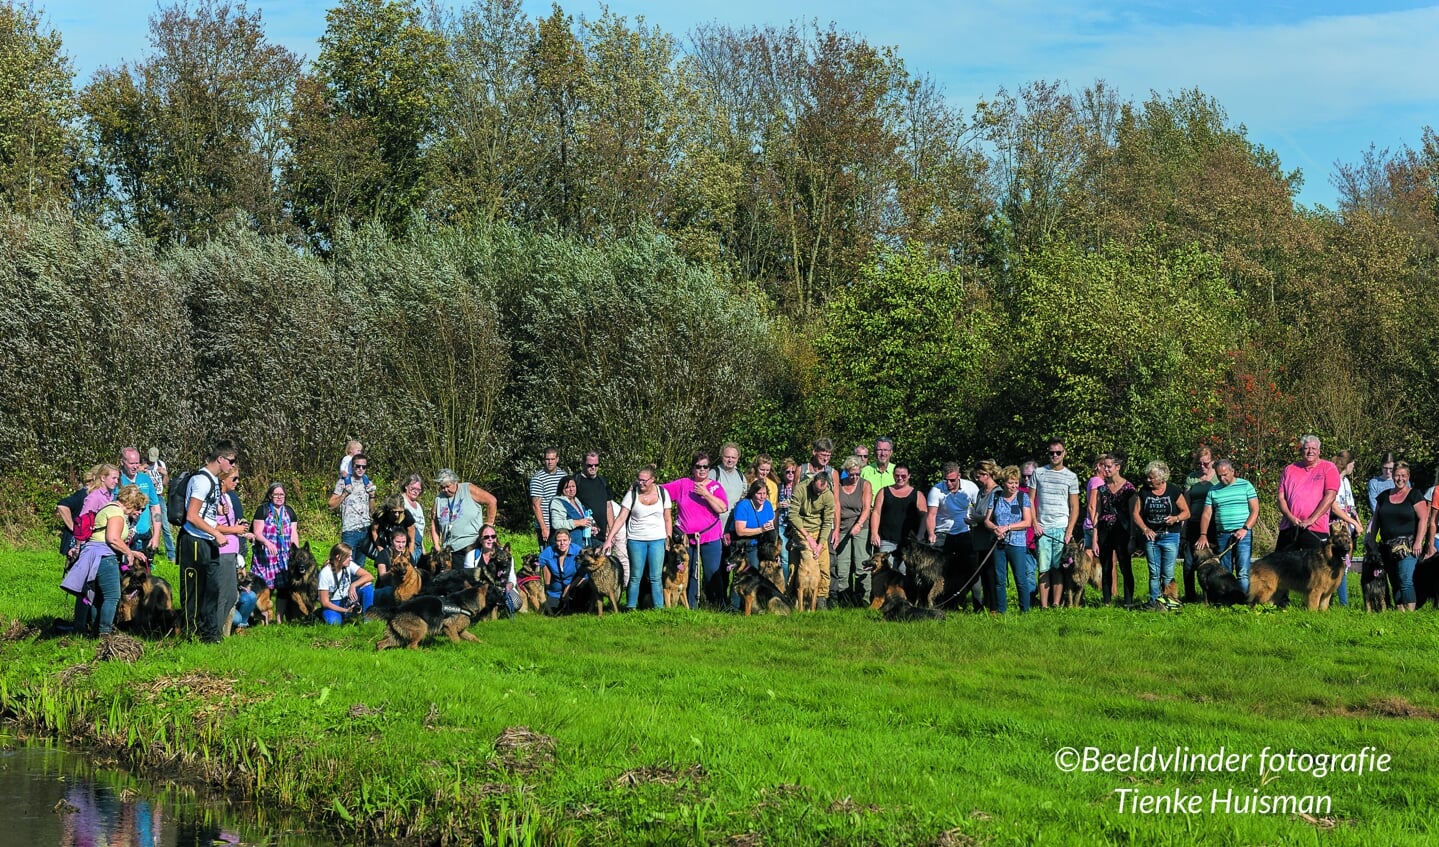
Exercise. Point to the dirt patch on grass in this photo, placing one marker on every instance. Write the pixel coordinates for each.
(205, 686)
(660, 775)
(744, 839)
(522, 751)
(846, 805)
(118, 647)
(1390, 707)
(15, 630)
(360, 710)
(74, 672)
(955, 838)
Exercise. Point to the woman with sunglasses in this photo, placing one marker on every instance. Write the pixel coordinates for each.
(702, 503)
(647, 519)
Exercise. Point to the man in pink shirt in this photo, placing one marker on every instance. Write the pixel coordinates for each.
(1306, 492)
(701, 504)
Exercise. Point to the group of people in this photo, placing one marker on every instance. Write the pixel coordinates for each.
(995, 523)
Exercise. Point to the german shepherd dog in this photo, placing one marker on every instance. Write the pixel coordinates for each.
(146, 603)
(531, 583)
(885, 581)
(302, 591)
(1426, 582)
(806, 575)
(1221, 588)
(900, 610)
(603, 574)
(924, 571)
(677, 570)
(1375, 581)
(1315, 573)
(760, 585)
(426, 615)
(1081, 568)
(406, 578)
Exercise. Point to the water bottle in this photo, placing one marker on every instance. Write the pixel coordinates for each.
(589, 516)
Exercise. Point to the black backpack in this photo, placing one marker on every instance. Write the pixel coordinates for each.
(176, 501)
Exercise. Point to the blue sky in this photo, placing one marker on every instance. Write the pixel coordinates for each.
(1314, 81)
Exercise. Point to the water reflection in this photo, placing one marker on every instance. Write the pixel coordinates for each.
(51, 796)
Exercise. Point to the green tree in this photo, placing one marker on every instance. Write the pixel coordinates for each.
(37, 107)
(191, 136)
(378, 88)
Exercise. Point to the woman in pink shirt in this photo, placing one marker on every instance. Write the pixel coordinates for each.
(700, 502)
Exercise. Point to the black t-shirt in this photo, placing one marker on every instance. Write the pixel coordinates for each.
(1154, 508)
(1397, 520)
(594, 494)
(386, 527)
(898, 519)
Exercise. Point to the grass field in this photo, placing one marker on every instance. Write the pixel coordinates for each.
(833, 728)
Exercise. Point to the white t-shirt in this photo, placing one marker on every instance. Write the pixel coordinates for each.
(1051, 496)
(201, 484)
(953, 506)
(338, 584)
(646, 523)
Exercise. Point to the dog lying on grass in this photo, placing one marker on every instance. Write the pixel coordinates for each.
(759, 586)
(427, 615)
(899, 610)
(885, 580)
(1314, 573)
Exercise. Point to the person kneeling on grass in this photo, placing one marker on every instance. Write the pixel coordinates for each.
(346, 589)
(560, 569)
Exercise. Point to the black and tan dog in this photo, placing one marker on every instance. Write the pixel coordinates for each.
(427, 615)
(885, 580)
(1426, 582)
(1080, 567)
(1315, 573)
(531, 583)
(405, 578)
(301, 594)
(924, 566)
(603, 574)
(676, 575)
(759, 587)
(1221, 588)
(900, 610)
(146, 603)
(1374, 581)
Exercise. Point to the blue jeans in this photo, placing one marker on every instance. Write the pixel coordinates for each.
(367, 599)
(167, 532)
(245, 607)
(356, 538)
(783, 549)
(646, 556)
(1402, 579)
(107, 585)
(1162, 553)
(1237, 560)
(1016, 556)
(709, 558)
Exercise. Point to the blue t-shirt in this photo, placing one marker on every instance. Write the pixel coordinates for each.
(152, 498)
(562, 569)
(745, 511)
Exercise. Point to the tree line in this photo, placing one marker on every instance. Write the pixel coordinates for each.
(475, 232)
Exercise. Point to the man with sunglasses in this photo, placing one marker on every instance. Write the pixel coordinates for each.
(947, 523)
(352, 495)
(593, 491)
(1056, 509)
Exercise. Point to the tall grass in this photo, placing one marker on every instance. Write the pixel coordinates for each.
(679, 727)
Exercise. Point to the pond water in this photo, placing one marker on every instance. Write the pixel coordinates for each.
(52, 796)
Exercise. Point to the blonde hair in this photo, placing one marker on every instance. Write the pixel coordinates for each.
(1158, 469)
(1010, 472)
(339, 553)
(95, 477)
(131, 497)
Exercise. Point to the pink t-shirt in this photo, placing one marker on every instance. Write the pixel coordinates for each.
(695, 515)
(1094, 483)
(1303, 488)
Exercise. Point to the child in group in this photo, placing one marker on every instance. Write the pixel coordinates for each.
(346, 589)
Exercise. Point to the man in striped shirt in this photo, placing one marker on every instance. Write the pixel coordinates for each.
(543, 486)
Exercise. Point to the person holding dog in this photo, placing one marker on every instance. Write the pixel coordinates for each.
(1109, 512)
(459, 516)
(1401, 518)
(947, 523)
(701, 502)
(1231, 507)
(96, 572)
(899, 513)
(1159, 510)
(561, 566)
(646, 518)
(347, 590)
(986, 479)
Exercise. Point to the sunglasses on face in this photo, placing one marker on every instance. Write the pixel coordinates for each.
(700, 467)
(592, 464)
(488, 537)
(361, 466)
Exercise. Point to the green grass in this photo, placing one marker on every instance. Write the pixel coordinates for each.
(833, 728)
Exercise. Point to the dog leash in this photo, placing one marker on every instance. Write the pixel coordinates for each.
(970, 582)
